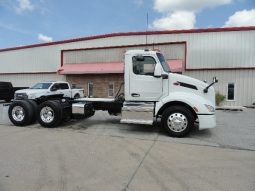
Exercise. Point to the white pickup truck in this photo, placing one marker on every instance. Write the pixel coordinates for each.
(49, 88)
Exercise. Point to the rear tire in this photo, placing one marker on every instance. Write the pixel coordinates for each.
(77, 96)
(178, 121)
(21, 113)
(50, 114)
(34, 108)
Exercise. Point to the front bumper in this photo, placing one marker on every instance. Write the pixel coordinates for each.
(206, 121)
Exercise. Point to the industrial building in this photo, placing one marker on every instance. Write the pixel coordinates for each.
(95, 63)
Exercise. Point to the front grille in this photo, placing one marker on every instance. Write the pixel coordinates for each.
(21, 96)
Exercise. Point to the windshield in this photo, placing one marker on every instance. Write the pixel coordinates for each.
(41, 86)
(163, 63)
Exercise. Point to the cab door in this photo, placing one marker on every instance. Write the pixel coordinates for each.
(64, 89)
(143, 85)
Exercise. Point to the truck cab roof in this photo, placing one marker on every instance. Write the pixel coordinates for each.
(53, 82)
(144, 52)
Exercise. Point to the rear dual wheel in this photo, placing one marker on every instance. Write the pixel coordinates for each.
(22, 112)
(50, 114)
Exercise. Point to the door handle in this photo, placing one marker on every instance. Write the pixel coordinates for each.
(135, 95)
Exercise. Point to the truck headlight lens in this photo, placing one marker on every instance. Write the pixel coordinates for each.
(32, 96)
(210, 108)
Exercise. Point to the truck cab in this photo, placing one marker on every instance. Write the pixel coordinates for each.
(153, 91)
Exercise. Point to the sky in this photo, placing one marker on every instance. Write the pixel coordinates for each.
(24, 22)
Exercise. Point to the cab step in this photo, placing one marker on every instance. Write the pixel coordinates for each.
(138, 113)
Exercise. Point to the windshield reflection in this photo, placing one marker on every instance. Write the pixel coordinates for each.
(163, 63)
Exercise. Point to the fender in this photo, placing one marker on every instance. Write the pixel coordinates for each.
(191, 99)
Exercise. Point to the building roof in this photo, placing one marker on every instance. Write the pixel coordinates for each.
(227, 29)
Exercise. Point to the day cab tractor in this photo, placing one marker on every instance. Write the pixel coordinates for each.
(151, 92)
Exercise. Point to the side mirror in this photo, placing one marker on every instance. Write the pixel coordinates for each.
(157, 70)
(215, 80)
(53, 89)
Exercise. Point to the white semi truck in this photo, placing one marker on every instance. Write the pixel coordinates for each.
(151, 92)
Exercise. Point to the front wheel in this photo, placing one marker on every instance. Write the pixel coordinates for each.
(178, 121)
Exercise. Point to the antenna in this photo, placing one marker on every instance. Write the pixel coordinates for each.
(147, 24)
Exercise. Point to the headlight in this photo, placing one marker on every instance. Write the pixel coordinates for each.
(31, 96)
(210, 108)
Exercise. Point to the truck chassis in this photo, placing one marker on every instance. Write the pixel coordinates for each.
(51, 111)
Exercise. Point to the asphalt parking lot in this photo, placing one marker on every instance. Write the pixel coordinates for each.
(101, 154)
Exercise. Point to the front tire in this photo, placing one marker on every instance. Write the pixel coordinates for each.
(178, 121)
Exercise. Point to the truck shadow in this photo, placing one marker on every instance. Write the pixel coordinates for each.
(114, 126)
(111, 125)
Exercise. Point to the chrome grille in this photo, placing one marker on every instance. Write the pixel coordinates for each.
(20, 96)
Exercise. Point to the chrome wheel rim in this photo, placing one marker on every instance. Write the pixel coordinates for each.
(177, 122)
(18, 113)
(47, 114)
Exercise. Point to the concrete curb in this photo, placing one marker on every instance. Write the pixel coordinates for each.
(231, 108)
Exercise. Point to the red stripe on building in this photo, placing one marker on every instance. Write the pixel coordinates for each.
(175, 65)
(92, 68)
(108, 67)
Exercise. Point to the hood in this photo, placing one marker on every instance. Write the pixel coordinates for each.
(30, 91)
(188, 86)
(189, 80)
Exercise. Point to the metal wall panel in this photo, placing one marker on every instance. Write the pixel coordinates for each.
(244, 84)
(204, 50)
(39, 59)
(27, 80)
(171, 51)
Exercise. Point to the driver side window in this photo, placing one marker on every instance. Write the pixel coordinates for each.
(55, 87)
(143, 66)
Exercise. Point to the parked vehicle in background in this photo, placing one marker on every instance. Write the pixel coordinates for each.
(151, 91)
(7, 91)
(47, 89)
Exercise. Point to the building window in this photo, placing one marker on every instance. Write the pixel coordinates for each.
(90, 89)
(231, 91)
(143, 65)
(110, 89)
